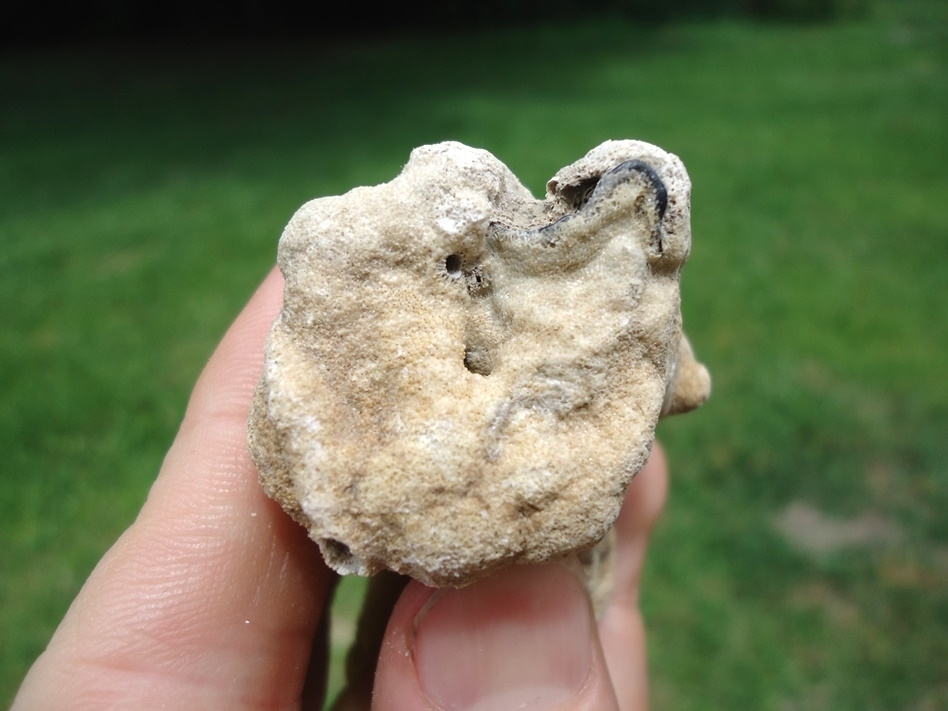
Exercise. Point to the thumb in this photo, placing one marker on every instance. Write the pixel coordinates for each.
(525, 638)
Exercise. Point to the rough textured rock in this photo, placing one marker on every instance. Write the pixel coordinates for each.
(464, 377)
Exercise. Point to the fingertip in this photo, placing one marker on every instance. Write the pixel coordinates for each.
(622, 629)
(645, 498)
(228, 380)
(396, 681)
(525, 637)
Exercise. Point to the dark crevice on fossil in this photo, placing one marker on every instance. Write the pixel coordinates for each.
(578, 195)
(623, 171)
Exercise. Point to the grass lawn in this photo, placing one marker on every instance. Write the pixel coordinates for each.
(803, 560)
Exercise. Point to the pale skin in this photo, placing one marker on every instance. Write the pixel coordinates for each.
(214, 598)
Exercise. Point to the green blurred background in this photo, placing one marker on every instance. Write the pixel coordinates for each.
(803, 559)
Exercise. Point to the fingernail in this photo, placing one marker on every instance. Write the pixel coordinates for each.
(520, 640)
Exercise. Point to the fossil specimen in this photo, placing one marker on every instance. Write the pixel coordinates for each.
(464, 377)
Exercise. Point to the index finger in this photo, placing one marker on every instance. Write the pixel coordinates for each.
(212, 598)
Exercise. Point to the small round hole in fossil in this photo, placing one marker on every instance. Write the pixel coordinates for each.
(452, 264)
(477, 360)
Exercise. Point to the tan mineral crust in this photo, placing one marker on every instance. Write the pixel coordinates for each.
(463, 377)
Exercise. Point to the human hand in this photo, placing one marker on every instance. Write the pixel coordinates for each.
(215, 599)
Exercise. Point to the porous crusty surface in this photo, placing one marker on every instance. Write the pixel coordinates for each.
(464, 377)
